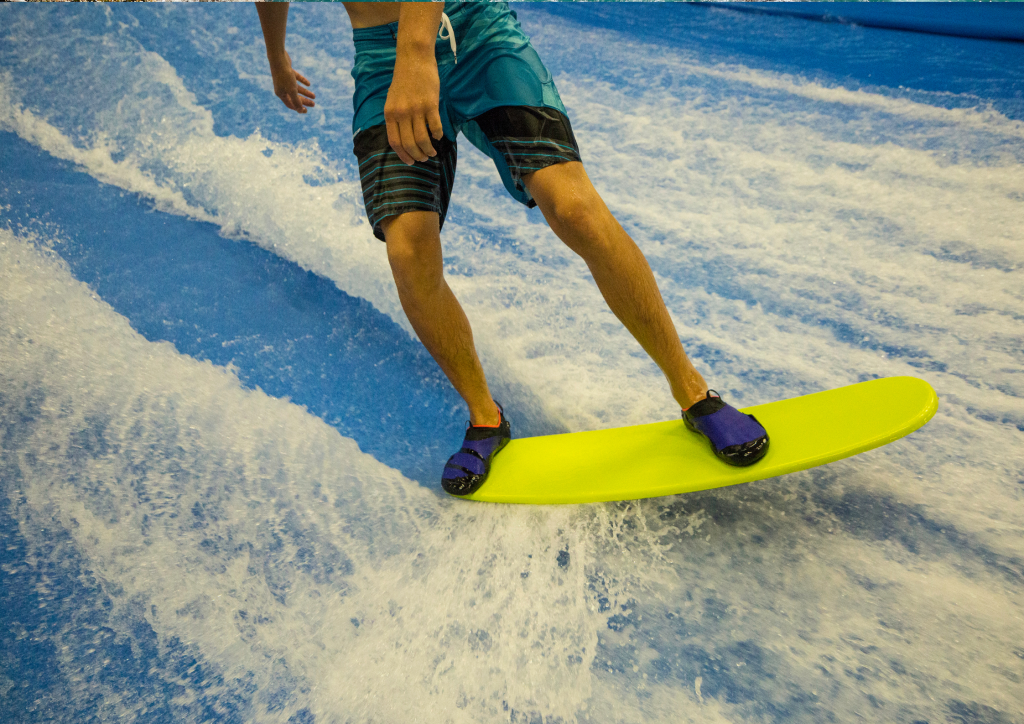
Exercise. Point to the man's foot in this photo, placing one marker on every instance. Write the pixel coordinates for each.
(736, 438)
(467, 469)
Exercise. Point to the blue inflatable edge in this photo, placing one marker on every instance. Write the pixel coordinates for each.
(989, 21)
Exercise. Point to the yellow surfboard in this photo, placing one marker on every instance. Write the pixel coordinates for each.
(664, 458)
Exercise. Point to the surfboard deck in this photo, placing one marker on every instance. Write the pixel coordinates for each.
(664, 458)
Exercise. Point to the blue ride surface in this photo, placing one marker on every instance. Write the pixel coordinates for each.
(220, 443)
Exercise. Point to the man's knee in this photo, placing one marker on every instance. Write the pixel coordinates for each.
(566, 196)
(578, 215)
(414, 250)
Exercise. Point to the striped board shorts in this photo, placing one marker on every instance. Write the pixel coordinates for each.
(499, 94)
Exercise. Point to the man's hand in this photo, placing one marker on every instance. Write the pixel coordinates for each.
(411, 109)
(274, 21)
(286, 84)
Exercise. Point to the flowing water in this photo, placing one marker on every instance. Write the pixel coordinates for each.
(220, 441)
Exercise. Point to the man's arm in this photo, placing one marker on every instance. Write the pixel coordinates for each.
(274, 21)
(412, 105)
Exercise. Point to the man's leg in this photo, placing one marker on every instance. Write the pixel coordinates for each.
(580, 218)
(414, 252)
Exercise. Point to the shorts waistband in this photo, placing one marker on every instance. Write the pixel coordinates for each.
(376, 34)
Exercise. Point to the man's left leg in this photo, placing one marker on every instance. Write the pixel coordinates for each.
(580, 218)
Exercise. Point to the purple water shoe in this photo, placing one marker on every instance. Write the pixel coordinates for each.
(467, 469)
(736, 438)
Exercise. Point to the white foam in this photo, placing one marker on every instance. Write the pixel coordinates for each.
(265, 542)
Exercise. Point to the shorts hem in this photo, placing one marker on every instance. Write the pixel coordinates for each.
(378, 231)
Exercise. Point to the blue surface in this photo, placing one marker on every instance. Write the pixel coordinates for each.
(219, 444)
(1004, 21)
(885, 60)
(287, 331)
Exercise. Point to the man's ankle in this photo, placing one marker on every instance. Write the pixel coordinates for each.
(487, 418)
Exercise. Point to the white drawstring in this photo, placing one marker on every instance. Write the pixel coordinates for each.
(446, 24)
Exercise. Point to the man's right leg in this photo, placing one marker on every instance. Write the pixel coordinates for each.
(414, 252)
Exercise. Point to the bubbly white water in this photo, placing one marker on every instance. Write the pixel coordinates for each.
(804, 237)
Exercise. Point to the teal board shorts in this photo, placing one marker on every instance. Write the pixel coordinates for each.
(498, 93)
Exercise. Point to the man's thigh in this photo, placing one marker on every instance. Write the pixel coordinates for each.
(522, 140)
(552, 185)
(391, 187)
